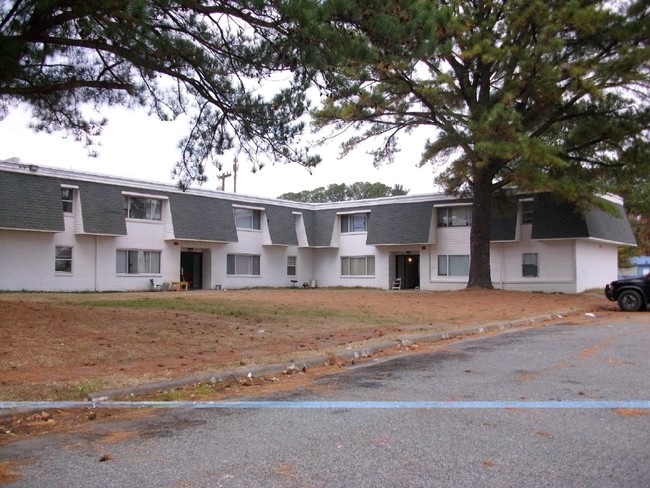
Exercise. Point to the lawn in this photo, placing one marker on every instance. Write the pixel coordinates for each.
(65, 346)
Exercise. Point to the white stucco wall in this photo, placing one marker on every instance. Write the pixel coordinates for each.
(596, 264)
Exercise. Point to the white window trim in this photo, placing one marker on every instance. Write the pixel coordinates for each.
(235, 275)
(150, 197)
(65, 273)
(347, 276)
(159, 273)
(144, 195)
(248, 229)
(352, 232)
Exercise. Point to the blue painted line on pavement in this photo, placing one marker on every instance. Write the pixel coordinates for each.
(325, 405)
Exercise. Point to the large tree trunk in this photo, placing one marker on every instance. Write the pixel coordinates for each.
(479, 267)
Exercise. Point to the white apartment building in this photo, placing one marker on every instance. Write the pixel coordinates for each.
(71, 231)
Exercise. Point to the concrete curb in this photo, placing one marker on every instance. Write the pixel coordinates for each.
(319, 360)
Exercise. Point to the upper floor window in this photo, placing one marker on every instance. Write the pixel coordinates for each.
(527, 212)
(455, 216)
(63, 259)
(247, 218)
(142, 208)
(357, 222)
(67, 195)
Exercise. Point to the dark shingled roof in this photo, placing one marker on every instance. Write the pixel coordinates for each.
(400, 223)
(308, 221)
(554, 219)
(610, 227)
(102, 208)
(30, 202)
(323, 228)
(201, 218)
(282, 226)
(503, 226)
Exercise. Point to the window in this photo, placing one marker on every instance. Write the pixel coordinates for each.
(142, 208)
(247, 218)
(527, 212)
(67, 195)
(358, 266)
(529, 267)
(354, 222)
(138, 262)
(63, 259)
(454, 216)
(291, 265)
(450, 265)
(243, 264)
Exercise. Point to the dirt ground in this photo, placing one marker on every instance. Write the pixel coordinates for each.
(65, 346)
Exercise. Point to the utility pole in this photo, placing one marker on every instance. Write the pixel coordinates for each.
(235, 167)
(223, 177)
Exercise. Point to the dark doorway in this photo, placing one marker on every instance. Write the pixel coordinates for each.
(191, 268)
(407, 267)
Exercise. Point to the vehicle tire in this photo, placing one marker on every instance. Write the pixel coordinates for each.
(630, 301)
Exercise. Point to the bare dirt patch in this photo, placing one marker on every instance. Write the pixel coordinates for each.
(66, 346)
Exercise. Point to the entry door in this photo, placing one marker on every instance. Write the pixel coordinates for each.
(191, 268)
(407, 267)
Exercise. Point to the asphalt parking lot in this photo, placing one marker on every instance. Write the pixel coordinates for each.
(558, 405)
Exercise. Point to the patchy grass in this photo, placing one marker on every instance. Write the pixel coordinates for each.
(66, 345)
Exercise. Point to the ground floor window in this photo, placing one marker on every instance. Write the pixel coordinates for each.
(138, 262)
(453, 265)
(243, 264)
(63, 259)
(358, 266)
(291, 265)
(529, 265)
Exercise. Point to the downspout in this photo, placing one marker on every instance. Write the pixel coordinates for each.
(503, 264)
(96, 263)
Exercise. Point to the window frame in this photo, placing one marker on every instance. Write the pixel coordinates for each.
(527, 210)
(58, 259)
(254, 214)
(292, 267)
(254, 266)
(141, 256)
(530, 266)
(67, 203)
(151, 206)
(350, 223)
(446, 217)
(446, 258)
(347, 265)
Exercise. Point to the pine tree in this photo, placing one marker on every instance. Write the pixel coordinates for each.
(533, 95)
(207, 59)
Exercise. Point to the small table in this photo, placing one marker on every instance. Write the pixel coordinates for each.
(179, 285)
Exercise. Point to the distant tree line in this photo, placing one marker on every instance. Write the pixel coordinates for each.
(340, 192)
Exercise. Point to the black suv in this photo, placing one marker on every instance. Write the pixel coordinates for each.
(632, 294)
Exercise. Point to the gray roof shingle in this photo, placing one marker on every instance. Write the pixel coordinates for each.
(323, 226)
(202, 219)
(556, 219)
(102, 208)
(30, 202)
(282, 226)
(400, 223)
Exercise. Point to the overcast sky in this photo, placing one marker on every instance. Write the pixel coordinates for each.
(138, 146)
